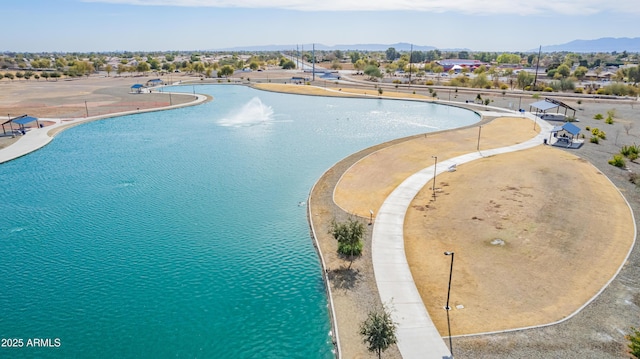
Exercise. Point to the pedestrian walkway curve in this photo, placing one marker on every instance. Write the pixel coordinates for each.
(417, 335)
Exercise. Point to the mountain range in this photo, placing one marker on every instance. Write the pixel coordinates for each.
(605, 44)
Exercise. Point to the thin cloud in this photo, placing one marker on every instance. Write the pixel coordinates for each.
(489, 7)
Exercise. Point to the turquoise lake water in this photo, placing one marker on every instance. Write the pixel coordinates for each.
(180, 233)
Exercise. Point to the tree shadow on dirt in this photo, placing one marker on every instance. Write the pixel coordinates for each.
(344, 277)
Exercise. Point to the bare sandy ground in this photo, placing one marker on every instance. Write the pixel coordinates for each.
(536, 235)
(77, 98)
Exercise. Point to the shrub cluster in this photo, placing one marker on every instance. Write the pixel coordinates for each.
(630, 152)
(617, 161)
(599, 133)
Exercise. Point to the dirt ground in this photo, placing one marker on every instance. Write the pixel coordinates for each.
(80, 97)
(546, 234)
(596, 332)
(368, 183)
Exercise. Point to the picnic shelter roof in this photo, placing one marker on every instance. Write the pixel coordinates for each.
(24, 120)
(544, 105)
(569, 127)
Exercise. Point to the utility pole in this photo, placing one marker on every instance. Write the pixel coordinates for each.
(410, 56)
(535, 79)
(313, 61)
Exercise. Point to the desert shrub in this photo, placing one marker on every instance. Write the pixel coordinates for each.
(617, 160)
(599, 133)
(562, 85)
(504, 87)
(396, 81)
(580, 101)
(380, 91)
(609, 121)
(548, 89)
(634, 342)
(429, 83)
(594, 139)
(459, 82)
(630, 152)
(598, 116)
(617, 89)
(634, 178)
(588, 128)
(577, 90)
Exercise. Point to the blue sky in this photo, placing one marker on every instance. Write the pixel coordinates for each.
(146, 25)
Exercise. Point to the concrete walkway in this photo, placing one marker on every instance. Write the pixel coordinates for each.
(39, 137)
(417, 335)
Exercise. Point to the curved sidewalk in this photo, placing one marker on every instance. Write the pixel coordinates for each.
(39, 137)
(417, 335)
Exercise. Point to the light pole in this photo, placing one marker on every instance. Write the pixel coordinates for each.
(447, 308)
(371, 217)
(434, 176)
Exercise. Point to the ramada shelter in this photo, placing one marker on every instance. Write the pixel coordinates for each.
(21, 121)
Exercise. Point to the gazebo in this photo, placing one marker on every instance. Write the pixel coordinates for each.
(548, 104)
(137, 88)
(566, 136)
(154, 82)
(21, 121)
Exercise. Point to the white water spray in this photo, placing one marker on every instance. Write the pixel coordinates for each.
(252, 113)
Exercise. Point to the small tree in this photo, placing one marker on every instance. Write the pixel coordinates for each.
(634, 343)
(379, 330)
(225, 71)
(349, 236)
(373, 72)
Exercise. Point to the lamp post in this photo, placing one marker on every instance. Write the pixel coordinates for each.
(434, 176)
(371, 217)
(447, 308)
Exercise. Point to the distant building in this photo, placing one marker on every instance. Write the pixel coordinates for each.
(453, 64)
